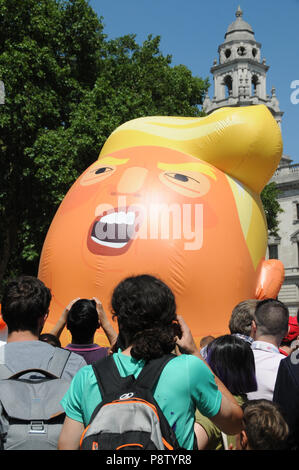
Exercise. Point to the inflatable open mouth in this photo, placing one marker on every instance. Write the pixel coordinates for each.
(113, 231)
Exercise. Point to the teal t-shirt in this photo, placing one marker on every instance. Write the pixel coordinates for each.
(185, 384)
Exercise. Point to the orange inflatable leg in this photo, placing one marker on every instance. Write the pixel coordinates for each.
(270, 280)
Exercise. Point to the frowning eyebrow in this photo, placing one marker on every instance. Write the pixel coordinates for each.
(111, 161)
(189, 166)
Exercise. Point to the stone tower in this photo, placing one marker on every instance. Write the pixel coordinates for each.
(240, 80)
(240, 73)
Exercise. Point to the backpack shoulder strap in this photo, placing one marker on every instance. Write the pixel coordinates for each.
(109, 379)
(152, 370)
(58, 361)
(107, 375)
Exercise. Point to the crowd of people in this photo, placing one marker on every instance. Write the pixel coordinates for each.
(237, 391)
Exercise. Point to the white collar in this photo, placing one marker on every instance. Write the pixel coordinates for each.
(264, 346)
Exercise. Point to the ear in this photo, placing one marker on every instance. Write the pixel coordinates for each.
(253, 329)
(41, 321)
(243, 440)
(44, 318)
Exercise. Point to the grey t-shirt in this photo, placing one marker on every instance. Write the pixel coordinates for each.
(21, 355)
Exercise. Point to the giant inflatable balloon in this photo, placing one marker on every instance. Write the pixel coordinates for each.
(178, 198)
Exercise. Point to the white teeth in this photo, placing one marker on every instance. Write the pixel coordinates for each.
(110, 244)
(130, 218)
(127, 218)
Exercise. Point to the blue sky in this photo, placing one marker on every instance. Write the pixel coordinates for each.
(191, 31)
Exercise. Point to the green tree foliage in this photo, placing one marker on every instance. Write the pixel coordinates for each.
(49, 57)
(272, 207)
(67, 88)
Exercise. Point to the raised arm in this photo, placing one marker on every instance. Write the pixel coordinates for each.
(229, 417)
(104, 323)
(61, 322)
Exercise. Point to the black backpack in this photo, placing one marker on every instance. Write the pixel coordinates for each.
(128, 418)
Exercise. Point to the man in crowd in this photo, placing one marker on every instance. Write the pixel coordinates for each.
(241, 320)
(240, 323)
(286, 393)
(25, 307)
(270, 325)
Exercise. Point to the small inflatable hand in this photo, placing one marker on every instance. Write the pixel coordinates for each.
(270, 280)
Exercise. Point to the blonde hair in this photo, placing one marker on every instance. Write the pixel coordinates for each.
(243, 142)
(237, 140)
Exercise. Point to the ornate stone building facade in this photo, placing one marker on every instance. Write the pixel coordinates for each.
(240, 80)
(286, 246)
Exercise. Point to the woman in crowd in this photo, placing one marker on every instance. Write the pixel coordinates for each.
(232, 360)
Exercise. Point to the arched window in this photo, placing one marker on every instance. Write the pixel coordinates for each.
(228, 83)
(241, 51)
(227, 53)
(254, 83)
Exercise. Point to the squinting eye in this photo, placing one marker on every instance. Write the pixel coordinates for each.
(180, 177)
(189, 184)
(103, 170)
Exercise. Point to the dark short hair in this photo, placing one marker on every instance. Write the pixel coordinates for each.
(25, 300)
(50, 339)
(242, 316)
(232, 360)
(272, 318)
(83, 320)
(145, 309)
(264, 425)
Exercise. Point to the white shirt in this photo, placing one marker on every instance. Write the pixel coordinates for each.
(267, 359)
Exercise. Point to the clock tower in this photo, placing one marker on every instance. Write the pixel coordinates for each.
(240, 80)
(240, 72)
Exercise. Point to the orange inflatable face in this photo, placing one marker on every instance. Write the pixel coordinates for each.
(177, 198)
(158, 211)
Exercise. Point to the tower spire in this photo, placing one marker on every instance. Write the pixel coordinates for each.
(239, 12)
